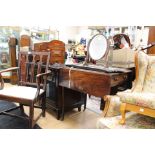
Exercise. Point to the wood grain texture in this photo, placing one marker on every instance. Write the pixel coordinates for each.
(90, 82)
(151, 39)
(56, 48)
(12, 52)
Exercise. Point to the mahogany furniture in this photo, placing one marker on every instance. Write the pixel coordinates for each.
(12, 51)
(56, 48)
(97, 83)
(8, 59)
(31, 89)
(25, 41)
(73, 99)
(151, 39)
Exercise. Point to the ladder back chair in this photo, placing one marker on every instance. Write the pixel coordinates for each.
(31, 89)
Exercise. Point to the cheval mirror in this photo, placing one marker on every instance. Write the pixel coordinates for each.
(98, 47)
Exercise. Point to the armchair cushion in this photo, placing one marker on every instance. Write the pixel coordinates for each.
(142, 62)
(143, 99)
(25, 92)
(149, 82)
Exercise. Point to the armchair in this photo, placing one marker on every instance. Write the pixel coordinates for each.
(31, 89)
(141, 98)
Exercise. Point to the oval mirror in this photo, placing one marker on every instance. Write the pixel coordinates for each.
(98, 47)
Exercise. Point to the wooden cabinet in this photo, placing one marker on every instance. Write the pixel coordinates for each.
(73, 99)
(57, 49)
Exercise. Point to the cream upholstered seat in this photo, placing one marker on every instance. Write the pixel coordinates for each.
(141, 98)
(31, 89)
(21, 92)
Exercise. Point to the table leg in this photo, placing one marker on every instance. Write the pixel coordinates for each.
(63, 105)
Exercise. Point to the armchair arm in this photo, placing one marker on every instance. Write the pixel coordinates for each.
(43, 74)
(9, 69)
(38, 79)
(3, 71)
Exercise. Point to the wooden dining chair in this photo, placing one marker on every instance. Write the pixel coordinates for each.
(31, 89)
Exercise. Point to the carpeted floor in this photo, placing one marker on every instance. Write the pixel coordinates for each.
(133, 121)
(8, 122)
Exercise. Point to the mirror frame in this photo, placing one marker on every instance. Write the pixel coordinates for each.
(106, 51)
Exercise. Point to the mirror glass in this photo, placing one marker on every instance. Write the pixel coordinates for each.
(98, 47)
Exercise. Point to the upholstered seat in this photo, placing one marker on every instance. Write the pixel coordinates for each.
(144, 99)
(141, 98)
(20, 92)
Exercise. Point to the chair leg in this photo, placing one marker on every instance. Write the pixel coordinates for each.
(58, 114)
(85, 102)
(22, 109)
(44, 106)
(31, 115)
(79, 108)
(122, 110)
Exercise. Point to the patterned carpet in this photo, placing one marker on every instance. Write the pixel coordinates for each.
(133, 121)
(8, 122)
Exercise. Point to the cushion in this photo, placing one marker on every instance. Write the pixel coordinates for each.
(20, 92)
(144, 99)
(123, 57)
(149, 82)
(142, 67)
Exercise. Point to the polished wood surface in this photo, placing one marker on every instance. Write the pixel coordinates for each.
(56, 48)
(25, 40)
(91, 82)
(12, 51)
(151, 39)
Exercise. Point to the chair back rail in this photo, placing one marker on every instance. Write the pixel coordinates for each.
(31, 64)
